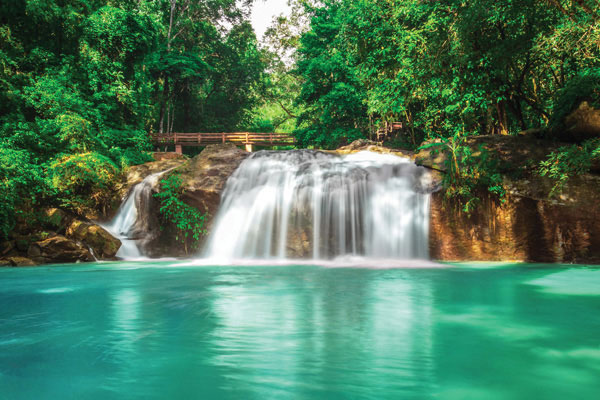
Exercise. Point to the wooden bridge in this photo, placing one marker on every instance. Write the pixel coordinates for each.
(249, 139)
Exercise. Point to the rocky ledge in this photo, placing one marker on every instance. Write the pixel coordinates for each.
(64, 238)
(527, 224)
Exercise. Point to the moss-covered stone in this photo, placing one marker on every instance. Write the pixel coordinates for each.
(58, 249)
(102, 243)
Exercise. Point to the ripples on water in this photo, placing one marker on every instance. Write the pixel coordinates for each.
(299, 332)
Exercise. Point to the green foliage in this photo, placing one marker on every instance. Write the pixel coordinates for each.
(468, 172)
(82, 83)
(83, 180)
(583, 87)
(333, 100)
(187, 221)
(443, 67)
(569, 161)
(20, 183)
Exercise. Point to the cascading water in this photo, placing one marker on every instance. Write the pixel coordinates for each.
(132, 222)
(312, 204)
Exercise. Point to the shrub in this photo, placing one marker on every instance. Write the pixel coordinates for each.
(84, 180)
(584, 87)
(569, 161)
(187, 221)
(468, 172)
(20, 181)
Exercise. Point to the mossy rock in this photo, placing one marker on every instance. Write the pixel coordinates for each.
(102, 243)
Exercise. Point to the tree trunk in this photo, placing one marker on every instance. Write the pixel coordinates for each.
(163, 106)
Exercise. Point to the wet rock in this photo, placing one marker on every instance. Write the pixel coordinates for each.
(102, 243)
(369, 145)
(17, 261)
(58, 249)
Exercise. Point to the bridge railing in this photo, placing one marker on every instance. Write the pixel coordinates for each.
(201, 139)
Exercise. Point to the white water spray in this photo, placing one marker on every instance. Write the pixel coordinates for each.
(131, 224)
(311, 204)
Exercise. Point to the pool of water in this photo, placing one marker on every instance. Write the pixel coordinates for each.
(165, 330)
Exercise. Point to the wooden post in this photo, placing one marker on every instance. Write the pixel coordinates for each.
(223, 137)
(249, 147)
(178, 148)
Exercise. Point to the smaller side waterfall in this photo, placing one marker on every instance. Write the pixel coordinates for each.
(132, 223)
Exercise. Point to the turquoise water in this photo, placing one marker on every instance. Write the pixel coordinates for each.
(169, 331)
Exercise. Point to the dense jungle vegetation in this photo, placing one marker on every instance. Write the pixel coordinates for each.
(83, 82)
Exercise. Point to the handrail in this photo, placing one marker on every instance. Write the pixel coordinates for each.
(202, 138)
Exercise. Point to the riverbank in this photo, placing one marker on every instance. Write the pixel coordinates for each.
(526, 224)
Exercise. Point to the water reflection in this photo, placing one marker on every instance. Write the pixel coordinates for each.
(126, 313)
(298, 332)
(306, 336)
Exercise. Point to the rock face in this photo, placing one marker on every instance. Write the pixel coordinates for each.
(203, 179)
(583, 123)
(521, 229)
(369, 145)
(205, 175)
(17, 261)
(102, 243)
(528, 225)
(137, 173)
(58, 249)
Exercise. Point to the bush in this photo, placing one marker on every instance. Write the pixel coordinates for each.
(468, 173)
(127, 147)
(569, 161)
(187, 221)
(84, 180)
(585, 87)
(20, 181)
(76, 132)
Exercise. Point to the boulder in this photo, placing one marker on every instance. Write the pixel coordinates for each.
(57, 219)
(17, 261)
(205, 175)
(369, 145)
(7, 247)
(203, 179)
(432, 154)
(58, 249)
(135, 175)
(102, 243)
(168, 155)
(583, 123)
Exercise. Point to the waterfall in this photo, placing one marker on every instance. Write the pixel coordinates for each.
(312, 204)
(132, 224)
